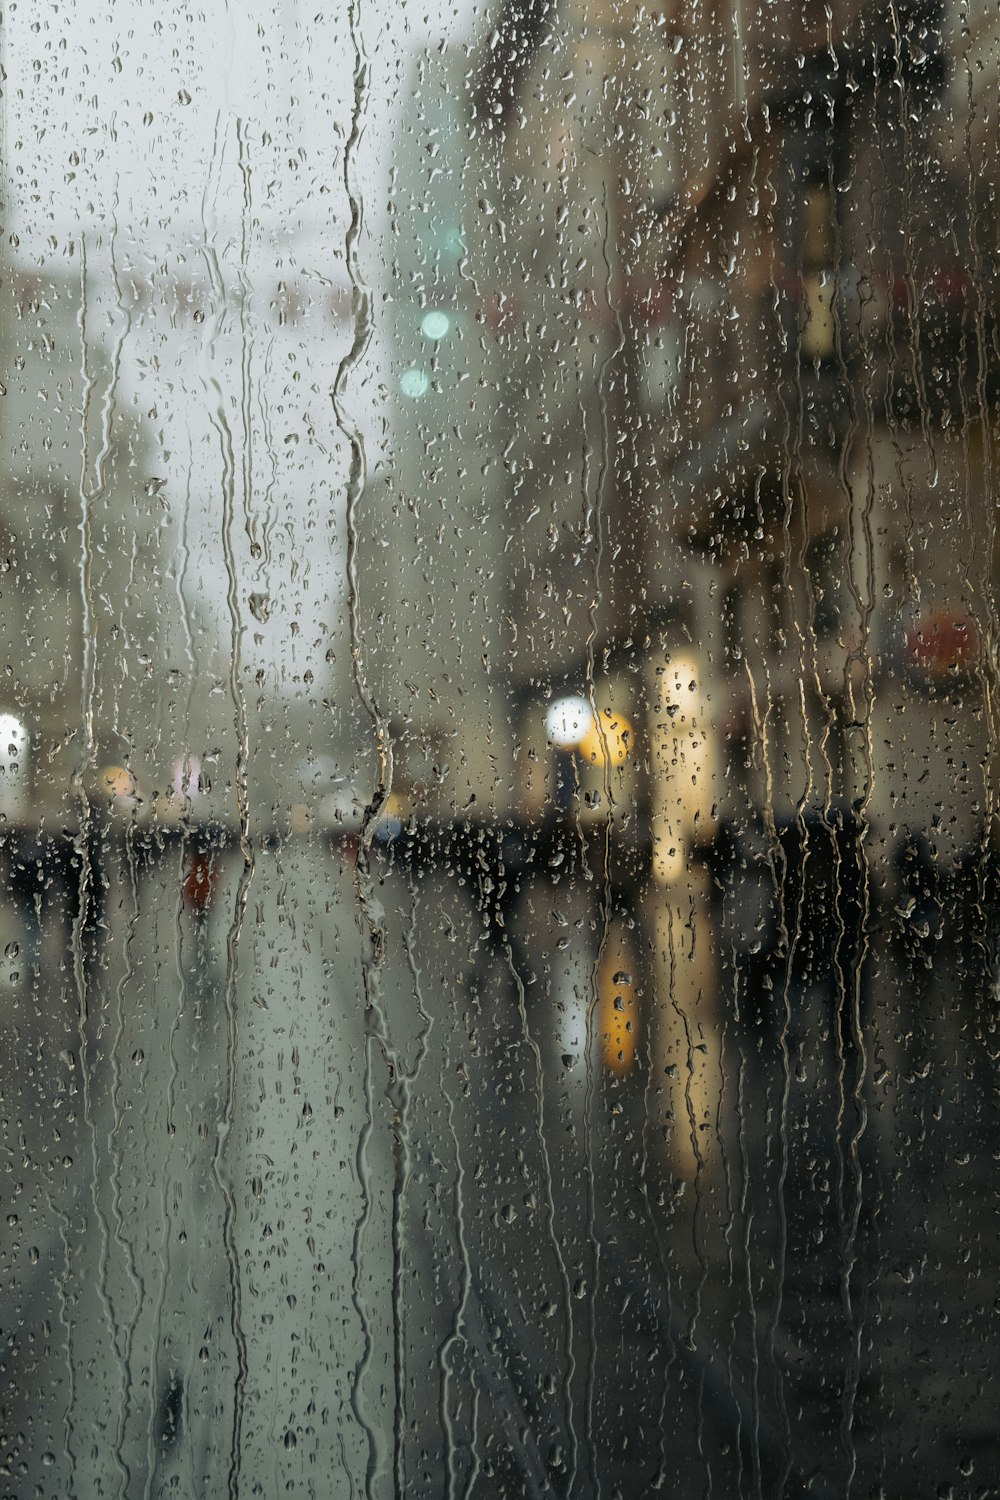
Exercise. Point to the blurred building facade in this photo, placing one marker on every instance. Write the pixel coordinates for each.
(84, 625)
(718, 379)
(143, 610)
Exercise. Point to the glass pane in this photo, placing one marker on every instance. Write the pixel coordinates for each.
(498, 750)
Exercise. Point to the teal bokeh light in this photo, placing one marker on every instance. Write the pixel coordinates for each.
(414, 383)
(435, 324)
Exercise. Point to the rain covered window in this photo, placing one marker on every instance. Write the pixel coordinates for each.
(498, 750)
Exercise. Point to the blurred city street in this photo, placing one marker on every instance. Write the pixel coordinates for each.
(499, 682)
(749, 1258)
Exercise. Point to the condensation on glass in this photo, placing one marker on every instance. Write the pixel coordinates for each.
(498, 750)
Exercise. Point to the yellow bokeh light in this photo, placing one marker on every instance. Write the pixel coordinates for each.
(116, 781)
(617, 1009)
(610, 741)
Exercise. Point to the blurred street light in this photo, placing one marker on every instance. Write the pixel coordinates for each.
(414, 383)
(568, 721)
(435, 324)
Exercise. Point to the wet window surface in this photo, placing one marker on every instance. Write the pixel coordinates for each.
(498, 751)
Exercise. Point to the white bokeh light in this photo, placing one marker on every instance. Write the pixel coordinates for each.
(568, 721)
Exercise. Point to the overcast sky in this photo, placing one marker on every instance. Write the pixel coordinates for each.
(124, 111)
(163, 142)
